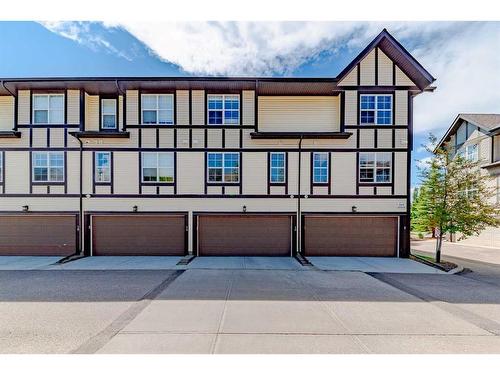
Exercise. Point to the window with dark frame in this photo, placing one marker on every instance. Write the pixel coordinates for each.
(103, 166)
(48, 108)
(320, 167)
(375, 109)
(277, 167)
(158, 167)
(223, 167)
(375, 167)
(157, 109)
(48, 166)
(223, 109)
(108, 114)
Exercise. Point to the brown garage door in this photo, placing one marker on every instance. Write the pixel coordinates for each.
(139, 234)
(30, 234)
(250, 235)
(350, 235)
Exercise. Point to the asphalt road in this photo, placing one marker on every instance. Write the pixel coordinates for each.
(247, 311)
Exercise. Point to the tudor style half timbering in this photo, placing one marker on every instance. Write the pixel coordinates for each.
(212, 166)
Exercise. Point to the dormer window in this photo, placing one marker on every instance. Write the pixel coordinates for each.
(108, 114)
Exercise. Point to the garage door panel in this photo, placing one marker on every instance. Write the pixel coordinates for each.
(350, 236)
(244, 235)
(139, 235)
(48, 235)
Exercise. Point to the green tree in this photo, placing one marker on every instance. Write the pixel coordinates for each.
(455, 196)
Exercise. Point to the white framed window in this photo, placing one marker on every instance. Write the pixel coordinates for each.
(375, 110)
(277, 167)
(157, 109)
(375, 167)
(320, 167)
(48, 108)
(103, 166)
(48, 166)
(158, 167)
(1, 166)
(108, 114)
(223, 167)
(472, 152)
(223, 109)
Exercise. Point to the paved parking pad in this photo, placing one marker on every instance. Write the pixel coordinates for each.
(263, 263)
(120, 263)
(372, 264)
(26, 262)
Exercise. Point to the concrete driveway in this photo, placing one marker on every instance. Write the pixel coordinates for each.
(245, 311)
(26, 262)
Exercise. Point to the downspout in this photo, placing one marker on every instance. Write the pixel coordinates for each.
(299, 214)
(81, 226)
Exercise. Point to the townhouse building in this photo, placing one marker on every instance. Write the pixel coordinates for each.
(476, 136)
(212, 166)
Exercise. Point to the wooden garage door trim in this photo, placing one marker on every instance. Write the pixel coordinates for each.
(175, 241)
(61, 240)
(233, 246)
(380, 246)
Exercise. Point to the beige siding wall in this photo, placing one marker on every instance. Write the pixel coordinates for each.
(248, 105)
(190, 172)
(351, 107)
(402, 79)
(17, 173)
(401, 138)
(120, 111)
(92, 112)
(299, 113)
(182, 138)
(351, 79)
(23, 106)
(57, 137)
(6, 112)
(401, 107)
(367, 138)
(133, 115)
(344, 173)
(39, 137)
(73, 98)
(384, 138)
(497, 148)
(399, 173)
(126, 173)
(384, 69)
(367, 66)
(198, 107)
(73, 172)
(232, 138)
(214, 138)
(254, 178)
(182, 107)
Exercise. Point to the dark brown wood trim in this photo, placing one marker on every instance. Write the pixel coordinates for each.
(101, 134)
(376, 66)
(10, 134)
(299, 135)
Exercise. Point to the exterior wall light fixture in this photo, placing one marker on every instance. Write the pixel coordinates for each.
(26, 208)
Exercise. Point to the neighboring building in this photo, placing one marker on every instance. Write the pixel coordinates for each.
(477, 136)
(210, 166)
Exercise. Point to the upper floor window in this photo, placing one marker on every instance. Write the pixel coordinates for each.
(223, 167)
(223, 109)
(157, 109)
(108, 114)
(48, 108)
(320, 167)
(103, 166)
(376, 110)
(158, 167)
(375, 167)
(48, 166)
(277, 167)
(469, 152)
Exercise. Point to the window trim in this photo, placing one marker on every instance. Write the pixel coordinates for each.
(157, 123)
(270, 168)
(219, 183)
(48, 181)
(2, 167)
(157, 182)
(374, 168)
(391, 110)
(48, 95)
(96, 182)
(223, 109)
(320, 183)
(101, 113)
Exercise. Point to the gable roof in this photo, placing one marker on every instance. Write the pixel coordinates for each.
(397, 53)
(489, 122)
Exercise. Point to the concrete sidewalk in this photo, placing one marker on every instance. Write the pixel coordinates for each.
(23, 263)
(476, 253)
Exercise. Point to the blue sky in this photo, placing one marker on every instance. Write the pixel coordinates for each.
(462, 56)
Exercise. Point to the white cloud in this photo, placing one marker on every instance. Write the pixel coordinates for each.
(462, 56)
